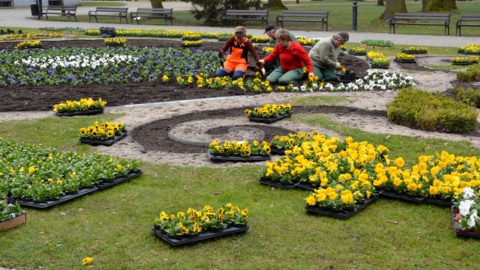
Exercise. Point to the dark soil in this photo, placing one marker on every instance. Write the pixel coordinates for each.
(43, 97)
(154, 136)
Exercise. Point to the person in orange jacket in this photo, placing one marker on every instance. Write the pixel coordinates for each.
(236, 63)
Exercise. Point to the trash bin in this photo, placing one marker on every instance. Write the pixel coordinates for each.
(34, 8)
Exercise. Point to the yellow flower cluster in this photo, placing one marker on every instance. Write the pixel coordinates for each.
(196, 221)
(269, 110)
(258, 85)
(357, 50)
(467, 59)
(83, 104)
(308, 42)
(204, 80)
(184, 81)
(405, 56)
(416, 49)
(288, 141)
(267, 49)
(33, 36)
(234, 148)
(116, 41)
(378, 58)
(103, 131)
(473, 48)
(191, 43)
(192, 36)
(260, 39)
(29, 44)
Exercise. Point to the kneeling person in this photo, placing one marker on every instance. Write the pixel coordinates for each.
(237, 62)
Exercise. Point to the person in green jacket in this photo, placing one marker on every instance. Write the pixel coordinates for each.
(324, 55)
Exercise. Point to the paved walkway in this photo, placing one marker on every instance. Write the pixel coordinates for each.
(22, 17)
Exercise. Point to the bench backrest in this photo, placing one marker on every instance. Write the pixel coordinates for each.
(155, 10)
(111, 9)
(246, 12)
(323, 14)
(470, 17)
(422, 16)
(66, 8)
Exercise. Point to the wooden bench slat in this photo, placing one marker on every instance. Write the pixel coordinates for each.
(152, 13)
(467, 20)
(69, 11)
(434, 19)
(109, 12)
(245, 15)
(303, 16)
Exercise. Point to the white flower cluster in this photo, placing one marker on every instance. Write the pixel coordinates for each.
(468, 205)
(78, 61)
(374, 80)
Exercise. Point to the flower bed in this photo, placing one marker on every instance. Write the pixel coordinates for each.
(357, 51)
(238, 151)
(415, 50)
(473, 48)
(269, 113)
(11, 215)
(85, 106)
(468, 60)
(38, 174)
(116, 42)
(105, 133)
(405, 58)
(465, 214)
(29, 44)
(378, 60)
(191, 43)
(200, 225)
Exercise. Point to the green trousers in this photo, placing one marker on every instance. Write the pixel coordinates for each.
(326, 74)
(285, 77)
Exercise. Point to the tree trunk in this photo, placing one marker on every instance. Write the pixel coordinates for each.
(380, 3)
(393, 6)
(438, 5)
(156, 3)
(274, 5)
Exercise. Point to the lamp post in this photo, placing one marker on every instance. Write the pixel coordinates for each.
(354, 16)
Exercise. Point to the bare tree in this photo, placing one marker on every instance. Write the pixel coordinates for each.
(157, 3)
(438, 5)
(393, 6)
(274, 5)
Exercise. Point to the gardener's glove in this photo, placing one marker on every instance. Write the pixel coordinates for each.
(338, 66)
(260, 62)
(220, 54)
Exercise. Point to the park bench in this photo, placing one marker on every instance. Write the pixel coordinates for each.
(470, 20)
(245, 15)
(303, 16)
(6, 3)
(109, 12)
(69, 11)
(152, 13)
(434, 19)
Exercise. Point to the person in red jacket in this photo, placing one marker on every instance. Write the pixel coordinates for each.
(293, 58)
(236, 63)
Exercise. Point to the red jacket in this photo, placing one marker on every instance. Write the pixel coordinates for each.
(291, 58)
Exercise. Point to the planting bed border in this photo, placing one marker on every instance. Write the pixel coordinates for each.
(414, 52)
(404, 61)
(109, 142)
(342, 214)
(224, 158)
(200, 237)
(268, 120)
(80, 193)
(76, 113)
